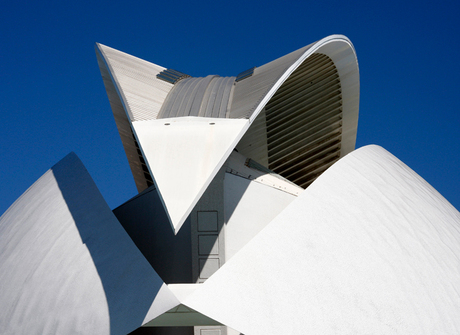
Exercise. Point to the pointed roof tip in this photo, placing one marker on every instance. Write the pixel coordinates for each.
(71, 157)
(102, 48)
(176, 229)
(98, 46)
(177, 225)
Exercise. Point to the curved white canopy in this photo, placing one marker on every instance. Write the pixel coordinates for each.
(369, 248)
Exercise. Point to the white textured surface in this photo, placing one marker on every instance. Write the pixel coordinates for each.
(141, 92)
(68, 267)
(249, 207)
(123, 124)
(368, 248)
(183, 155)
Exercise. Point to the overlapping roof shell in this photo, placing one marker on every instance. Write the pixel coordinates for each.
(296, 115)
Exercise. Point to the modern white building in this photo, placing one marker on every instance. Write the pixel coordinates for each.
(255, 215)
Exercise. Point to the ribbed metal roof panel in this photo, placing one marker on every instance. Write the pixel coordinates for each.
(199, 96)
(209, 98)
(141, 91)
(206, 97)
(124, 128)
(225, 98)
(178, 98)
(249, 92)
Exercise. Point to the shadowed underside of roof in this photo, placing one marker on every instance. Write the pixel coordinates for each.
(298, 135)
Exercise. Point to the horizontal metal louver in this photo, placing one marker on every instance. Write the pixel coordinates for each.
(245, 74)
(171, 76)
(304, 122)
(147, 176)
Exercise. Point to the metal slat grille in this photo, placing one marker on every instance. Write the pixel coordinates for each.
(145, 169)
(171, 76)
(245, 74)
(304, 122)
(254, 142)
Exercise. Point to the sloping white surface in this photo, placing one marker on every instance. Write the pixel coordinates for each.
(368, 248)
(68, 267)
(183, 155)
(135, 79)
(249, 207)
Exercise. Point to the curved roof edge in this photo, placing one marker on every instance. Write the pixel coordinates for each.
(122, 121)
(140, 90)
(135, 94)
(272, 75)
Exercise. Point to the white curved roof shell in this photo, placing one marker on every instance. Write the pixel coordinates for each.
(67, 266)
(369, 248)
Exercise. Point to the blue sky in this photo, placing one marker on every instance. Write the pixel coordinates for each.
(52, 99)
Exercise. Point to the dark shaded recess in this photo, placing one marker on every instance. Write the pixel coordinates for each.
(144, 219)
(147, 176)
(163, 331)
